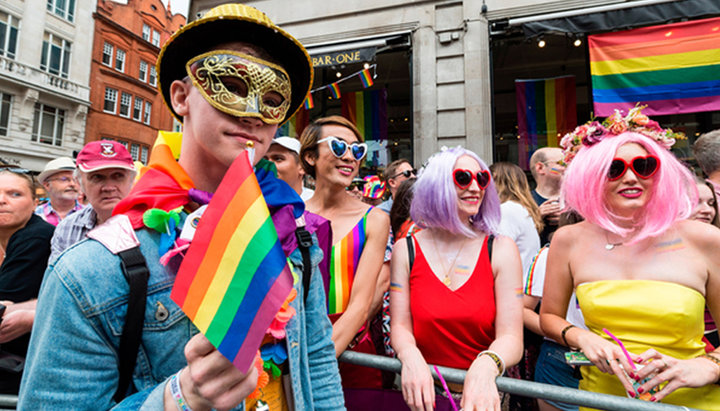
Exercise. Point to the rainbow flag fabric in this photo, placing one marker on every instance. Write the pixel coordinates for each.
(368, 111)
(295, 125)
(672, 68)
(235, 276)
(344, 259)
(334, 90)
(366, 78)
(309, 103)
(546, 110)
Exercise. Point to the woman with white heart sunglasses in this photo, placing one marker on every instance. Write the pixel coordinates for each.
(641, 271)
(331, 152)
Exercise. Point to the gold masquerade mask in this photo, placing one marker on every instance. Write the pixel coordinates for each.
(241, 85)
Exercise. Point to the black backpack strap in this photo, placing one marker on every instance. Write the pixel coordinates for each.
(411, 251)
(304, 239)
(490, 240)
(136, 273)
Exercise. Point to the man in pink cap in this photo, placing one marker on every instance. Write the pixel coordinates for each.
(105, 172)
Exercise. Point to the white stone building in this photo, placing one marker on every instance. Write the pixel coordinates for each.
(45, 52)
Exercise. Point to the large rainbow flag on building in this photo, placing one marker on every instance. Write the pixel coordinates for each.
(368, 111)
(234, 277)
(546, 109)
(672, 68)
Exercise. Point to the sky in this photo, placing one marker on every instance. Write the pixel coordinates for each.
(178, 6)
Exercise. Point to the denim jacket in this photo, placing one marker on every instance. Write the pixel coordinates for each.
(72, 362)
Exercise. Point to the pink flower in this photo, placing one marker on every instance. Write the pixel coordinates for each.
(640, 119)
(618, 127)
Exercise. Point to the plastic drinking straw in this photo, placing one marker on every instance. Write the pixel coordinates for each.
(627, 354)
(447, 390)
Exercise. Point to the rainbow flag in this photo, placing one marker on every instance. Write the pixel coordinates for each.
(334, 90)
(309, 103)
(235, 275)
(672, 68)
(546, 110)
(368, 111)
(366, 78)
(295, 125)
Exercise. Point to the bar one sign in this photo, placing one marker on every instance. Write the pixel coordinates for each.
(344, 57)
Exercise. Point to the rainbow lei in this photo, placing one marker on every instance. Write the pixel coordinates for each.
(635, 121)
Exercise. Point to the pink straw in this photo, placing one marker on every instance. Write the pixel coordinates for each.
(445, 386)
(627, 354)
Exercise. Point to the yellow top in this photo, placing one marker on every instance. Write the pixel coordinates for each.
(646, 314)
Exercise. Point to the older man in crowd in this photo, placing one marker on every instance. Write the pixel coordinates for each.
(707, 154)
(105, 172)
(62, 189)
(395, 173)
(547, 170)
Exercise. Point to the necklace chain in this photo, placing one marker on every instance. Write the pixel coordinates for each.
(610, 246)
(447, 280)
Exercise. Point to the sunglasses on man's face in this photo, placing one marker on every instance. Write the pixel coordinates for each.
(406, 173)
(643, 167)
(339, 147)
(463, 178)
(356, 186)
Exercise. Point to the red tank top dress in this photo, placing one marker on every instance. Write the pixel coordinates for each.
(452, 327)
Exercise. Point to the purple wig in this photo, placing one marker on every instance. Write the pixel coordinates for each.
(585, 181)
(435, 200)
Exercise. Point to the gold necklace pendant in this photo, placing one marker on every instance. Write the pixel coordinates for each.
(447, 280)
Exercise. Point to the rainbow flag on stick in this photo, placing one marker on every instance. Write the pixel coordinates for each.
(235, 275)
(672, 68)
(546, 109)
(334, 90)
(366, 78)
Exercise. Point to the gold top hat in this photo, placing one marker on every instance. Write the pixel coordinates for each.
(235, 22)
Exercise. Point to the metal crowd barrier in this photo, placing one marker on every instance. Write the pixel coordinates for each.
(8, 402)
(525, 388)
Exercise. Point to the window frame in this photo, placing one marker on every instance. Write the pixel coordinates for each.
(143, 74)
(12, 29)
(6, 101)
(113, 92)
(109, 56)
(138, 102)
(67, 13)
(123, 94)
(58, 124)
(118, 53)
(65, 52)
(146, 32)
(147, 112)
(152, 76)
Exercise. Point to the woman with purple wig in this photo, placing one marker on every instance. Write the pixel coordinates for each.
(452, 303)
(640, 270)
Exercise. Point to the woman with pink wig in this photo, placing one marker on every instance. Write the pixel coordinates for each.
(453, 292)
(641, 271)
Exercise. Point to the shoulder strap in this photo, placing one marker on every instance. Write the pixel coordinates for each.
(411, 251)
(136, 273)
(304, 240)
(490, 240)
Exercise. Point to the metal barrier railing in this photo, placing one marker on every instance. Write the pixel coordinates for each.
(8, 402)
(525, 388)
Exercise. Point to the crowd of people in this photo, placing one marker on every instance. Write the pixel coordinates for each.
(611, 256)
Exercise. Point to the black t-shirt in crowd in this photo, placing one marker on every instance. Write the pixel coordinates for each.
(21, 274)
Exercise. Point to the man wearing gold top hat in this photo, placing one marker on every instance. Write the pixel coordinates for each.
(232, 77)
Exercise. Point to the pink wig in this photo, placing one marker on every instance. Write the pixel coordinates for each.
(585, 180)
(435, 200)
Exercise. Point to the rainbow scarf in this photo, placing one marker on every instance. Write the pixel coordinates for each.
(671, 68)
(234, 277)
(344, 260)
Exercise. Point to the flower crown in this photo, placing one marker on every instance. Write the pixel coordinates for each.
(635, 121)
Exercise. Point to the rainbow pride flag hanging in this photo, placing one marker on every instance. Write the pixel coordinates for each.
(334, 90)
(366, 78)
(235, 275)
(309, 104)
(368, 111)
(295, 125)
(672, 68)
(546, 110)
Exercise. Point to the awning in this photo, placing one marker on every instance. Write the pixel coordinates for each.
(619, 19)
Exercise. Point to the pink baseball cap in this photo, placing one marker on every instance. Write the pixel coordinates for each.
(99, 155)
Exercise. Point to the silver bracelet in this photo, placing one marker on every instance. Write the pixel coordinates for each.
(497, 358)
(177, 393)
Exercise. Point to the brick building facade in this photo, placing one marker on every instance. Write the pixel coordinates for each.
(126, 104)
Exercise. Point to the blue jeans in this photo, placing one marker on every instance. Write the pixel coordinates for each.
(551, 368)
